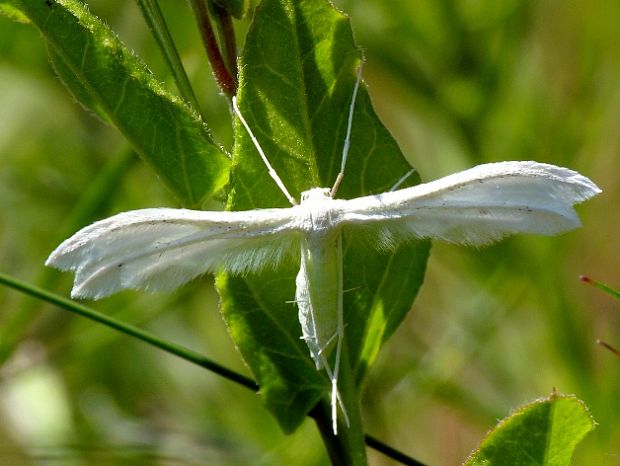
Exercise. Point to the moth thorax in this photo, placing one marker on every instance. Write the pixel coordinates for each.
(315, 212)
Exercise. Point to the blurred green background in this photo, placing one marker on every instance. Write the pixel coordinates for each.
(458, 83)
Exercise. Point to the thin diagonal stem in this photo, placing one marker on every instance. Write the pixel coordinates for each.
(127, 329)
(177, 350)
(391, 452)
(601, 286)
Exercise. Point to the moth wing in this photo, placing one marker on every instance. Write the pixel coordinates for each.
(160, 249)
(477, 206)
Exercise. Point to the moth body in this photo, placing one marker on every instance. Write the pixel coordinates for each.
(318, 295)
(318, 284)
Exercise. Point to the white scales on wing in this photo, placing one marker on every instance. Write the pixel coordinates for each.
(160, 249)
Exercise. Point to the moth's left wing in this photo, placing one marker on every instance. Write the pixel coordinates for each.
(477, 206)
(160, 249)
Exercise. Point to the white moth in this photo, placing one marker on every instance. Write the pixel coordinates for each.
(160, 249)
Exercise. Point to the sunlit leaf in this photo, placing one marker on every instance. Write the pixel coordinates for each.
(542, 433)
(297, 74)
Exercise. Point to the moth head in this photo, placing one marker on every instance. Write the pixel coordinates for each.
(315, 194)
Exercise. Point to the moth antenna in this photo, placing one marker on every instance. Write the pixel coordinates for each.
(402, 179)
(270, 169)
(347, 139)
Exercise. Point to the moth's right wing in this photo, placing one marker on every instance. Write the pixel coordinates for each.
(477, 206)
(160, 249)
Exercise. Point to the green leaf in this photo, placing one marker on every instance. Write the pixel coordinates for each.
(75, 87)
(542, 433)
(297, 75)
(109, 79)
(235, 8)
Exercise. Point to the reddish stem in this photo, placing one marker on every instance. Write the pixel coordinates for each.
(224, 78)
(230, 42)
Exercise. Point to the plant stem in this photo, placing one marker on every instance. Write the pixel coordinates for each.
(159, 29)
(224, 20)
(391, 452)
(321, 414)
(225, 77)
(348, 447)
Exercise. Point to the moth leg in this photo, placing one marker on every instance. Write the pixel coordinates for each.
(336, 400)
(328, 343)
